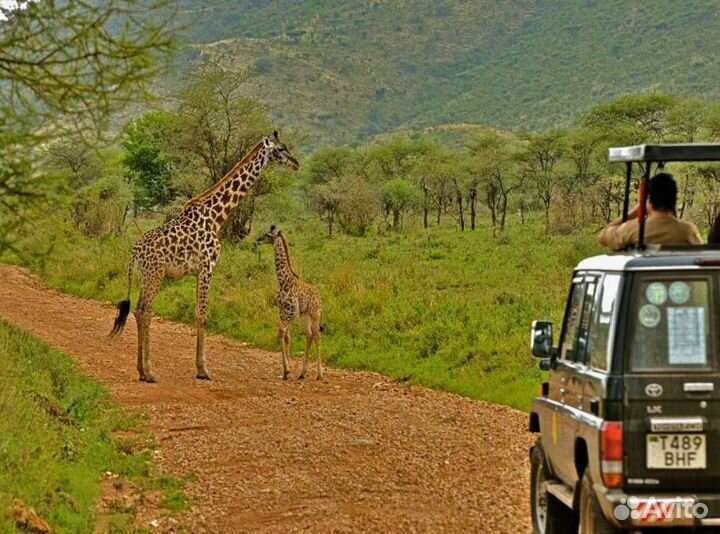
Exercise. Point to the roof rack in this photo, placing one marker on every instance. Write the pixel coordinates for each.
(658, 154)
(665, 153)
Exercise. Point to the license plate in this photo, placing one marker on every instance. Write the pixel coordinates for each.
(676, 451)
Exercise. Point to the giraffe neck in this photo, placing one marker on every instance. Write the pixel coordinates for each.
(285, 275)
(223, 197)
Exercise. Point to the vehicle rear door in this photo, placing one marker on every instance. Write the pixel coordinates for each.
(672, 398)
(566, 386)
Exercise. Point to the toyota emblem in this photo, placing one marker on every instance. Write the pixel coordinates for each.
(653, 390)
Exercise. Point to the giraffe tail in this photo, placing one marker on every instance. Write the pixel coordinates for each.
(123, 312)
(124, 306)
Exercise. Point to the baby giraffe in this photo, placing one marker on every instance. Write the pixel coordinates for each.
(295, 297)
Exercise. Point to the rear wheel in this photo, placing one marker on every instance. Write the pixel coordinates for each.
(592, 519)
(549, 516)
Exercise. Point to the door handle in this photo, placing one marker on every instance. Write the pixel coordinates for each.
(698, 387)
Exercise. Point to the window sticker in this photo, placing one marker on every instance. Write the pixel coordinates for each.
(686, 336)
(656, 293)
(679, 292)
(649, 316)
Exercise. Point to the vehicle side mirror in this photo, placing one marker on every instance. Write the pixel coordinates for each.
(541, 339)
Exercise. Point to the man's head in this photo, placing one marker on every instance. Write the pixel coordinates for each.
(662, 192)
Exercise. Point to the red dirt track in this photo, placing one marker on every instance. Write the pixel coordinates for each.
(355, 453)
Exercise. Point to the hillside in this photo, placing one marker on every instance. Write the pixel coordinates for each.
(345, 70)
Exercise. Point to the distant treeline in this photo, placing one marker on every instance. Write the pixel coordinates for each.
(559, 176)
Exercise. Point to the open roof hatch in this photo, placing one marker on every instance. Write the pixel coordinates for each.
(658, 154)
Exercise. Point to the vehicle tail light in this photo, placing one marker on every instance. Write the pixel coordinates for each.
(612, 454)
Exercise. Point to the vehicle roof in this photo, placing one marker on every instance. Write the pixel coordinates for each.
(654, 258)
(666, 152)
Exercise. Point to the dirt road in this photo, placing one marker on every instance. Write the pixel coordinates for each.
(354, 453)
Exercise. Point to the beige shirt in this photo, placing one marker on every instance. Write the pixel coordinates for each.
(661, 230)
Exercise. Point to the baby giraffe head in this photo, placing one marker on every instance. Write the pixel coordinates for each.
(269, 238)
(279, 153)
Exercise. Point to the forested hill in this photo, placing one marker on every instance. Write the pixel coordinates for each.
(348, 69)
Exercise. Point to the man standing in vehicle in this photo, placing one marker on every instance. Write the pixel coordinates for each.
(662, 227)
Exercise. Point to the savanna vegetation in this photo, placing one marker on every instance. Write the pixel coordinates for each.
(433, 253)
(57, 432)
(433, 249)
(65, 67)
(344, 71)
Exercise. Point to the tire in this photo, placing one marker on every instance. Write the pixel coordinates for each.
(549, 516)
(592, 519)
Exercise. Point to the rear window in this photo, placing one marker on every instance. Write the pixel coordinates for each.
(670, 324)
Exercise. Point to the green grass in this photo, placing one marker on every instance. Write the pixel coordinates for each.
(56, 440)
(437, 307)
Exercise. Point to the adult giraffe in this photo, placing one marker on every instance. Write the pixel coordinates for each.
(188, 245)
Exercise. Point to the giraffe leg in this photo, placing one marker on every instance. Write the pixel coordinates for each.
(308, 344)
(203, 286)
(149, 376)
(316, 338)
(140, 341)
(143, 315)
(284, 335)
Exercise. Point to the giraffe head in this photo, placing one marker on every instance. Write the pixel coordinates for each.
(269, 238)
(277, 152)
(282, 253)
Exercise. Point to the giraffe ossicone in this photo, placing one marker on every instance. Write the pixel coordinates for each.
(188, 244)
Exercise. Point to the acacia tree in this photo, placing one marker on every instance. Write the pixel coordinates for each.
(584, 153)
(710, 189)
(427, 173)
(327, 200)
(65, 67)
(686, 120)
(358, 205)
(541, 159)
(148, 144)
(398, 197)
(397, 158)
(218, 124)
(632, 119)
(329, 163)
(495, 161)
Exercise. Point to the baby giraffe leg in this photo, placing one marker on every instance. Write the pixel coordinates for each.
(284, 335)
(316, 338)
(308, 344)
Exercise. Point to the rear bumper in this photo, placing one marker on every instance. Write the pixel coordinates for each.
(659, 510)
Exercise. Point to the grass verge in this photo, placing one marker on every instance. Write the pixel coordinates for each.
(57, 443)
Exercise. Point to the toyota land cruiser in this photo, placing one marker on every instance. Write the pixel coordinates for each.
(628, 421)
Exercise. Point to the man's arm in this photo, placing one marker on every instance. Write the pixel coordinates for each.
(695, 238)
(605, 237)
